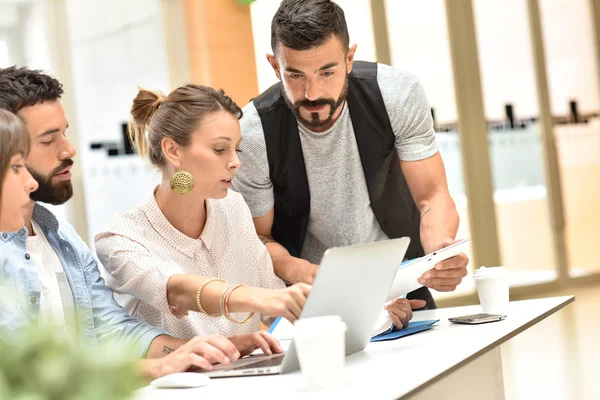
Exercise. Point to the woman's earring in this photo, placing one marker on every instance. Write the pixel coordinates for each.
(182, 182)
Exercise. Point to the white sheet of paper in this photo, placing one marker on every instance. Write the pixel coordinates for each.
(406, 279)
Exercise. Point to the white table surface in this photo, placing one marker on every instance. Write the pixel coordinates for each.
(392, 369)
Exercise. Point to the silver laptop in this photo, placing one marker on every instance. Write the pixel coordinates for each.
(353, 282)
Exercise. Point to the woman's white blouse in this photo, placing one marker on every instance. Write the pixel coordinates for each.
(141, 250)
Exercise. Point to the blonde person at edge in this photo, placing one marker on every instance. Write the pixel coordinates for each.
(16, 183)
(188, 259)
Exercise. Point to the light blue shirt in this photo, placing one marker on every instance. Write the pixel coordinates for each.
(100, 317)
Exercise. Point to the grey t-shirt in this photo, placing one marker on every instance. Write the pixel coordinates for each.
(340, 209)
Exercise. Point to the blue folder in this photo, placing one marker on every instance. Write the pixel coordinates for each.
(413, 327)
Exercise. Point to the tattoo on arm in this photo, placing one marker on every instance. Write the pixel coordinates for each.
(265, 239)
(167, 350)
(426, 211)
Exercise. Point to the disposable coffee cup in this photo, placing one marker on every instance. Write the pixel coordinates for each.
(320, 345)
(492, 288)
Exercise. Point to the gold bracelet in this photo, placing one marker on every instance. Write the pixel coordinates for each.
(199, 297)
(225, 296)
(226, 307)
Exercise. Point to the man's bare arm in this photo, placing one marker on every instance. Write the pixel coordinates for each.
(439, 219)
(290, 269)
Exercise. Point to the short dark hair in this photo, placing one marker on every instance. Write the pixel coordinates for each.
(24, 87)
(304, 24)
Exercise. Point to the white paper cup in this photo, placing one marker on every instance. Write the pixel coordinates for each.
(492, 288)
(320, 344)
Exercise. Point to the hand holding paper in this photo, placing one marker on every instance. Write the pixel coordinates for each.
(408, 276)
(409, 272)
(448, 273)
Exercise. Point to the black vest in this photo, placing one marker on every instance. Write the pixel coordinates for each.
(390, 196)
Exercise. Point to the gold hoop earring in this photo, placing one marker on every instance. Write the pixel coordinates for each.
(182, 182)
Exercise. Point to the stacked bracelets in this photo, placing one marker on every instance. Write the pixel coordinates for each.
(223, 302)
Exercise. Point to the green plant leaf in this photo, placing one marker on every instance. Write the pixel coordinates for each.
(42, 363)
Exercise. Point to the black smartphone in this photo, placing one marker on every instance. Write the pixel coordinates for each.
(477, 319)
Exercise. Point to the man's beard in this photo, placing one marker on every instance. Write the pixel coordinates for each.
(48, 192)
(315, 121)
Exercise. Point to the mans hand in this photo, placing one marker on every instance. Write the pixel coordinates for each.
(246, 344)
(302, 271)
(400, 310)
(199, 352)
(448, 274)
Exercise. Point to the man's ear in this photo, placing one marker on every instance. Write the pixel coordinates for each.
(274, 64)
(171, 151)
(350, 57)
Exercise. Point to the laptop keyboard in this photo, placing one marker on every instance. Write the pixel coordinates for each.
(253, 361)
(269, 362)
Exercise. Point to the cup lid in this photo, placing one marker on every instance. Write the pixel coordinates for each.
(488, 272)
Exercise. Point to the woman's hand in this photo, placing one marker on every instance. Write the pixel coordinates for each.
(287, 303)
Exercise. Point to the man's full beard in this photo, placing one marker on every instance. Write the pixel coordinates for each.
(55, 194)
